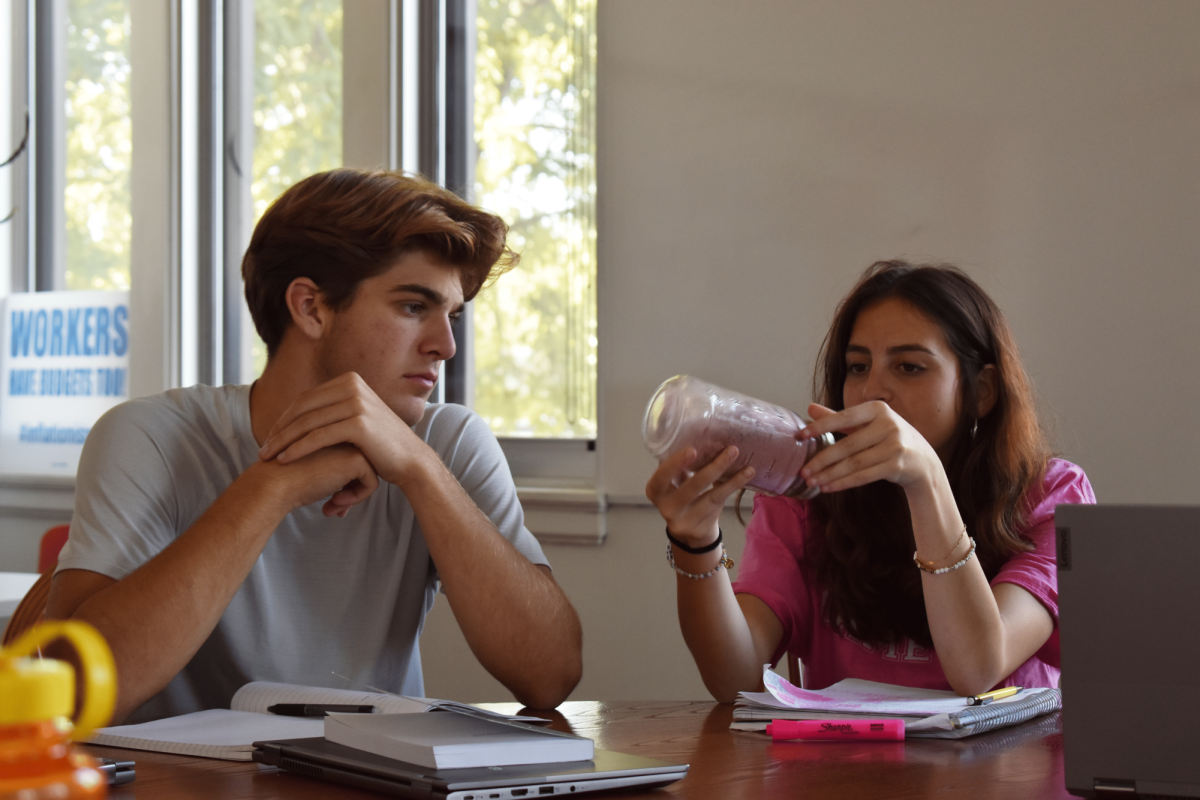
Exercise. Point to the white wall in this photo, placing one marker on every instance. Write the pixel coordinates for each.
(755, 157)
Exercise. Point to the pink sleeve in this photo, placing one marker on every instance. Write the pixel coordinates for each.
(770, 568)
(1037, 571)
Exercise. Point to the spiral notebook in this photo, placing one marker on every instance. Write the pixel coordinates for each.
(927, 713)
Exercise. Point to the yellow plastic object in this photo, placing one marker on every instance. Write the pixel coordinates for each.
(35, 689)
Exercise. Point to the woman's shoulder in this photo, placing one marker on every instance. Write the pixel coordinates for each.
(1065, 480)
(785, 517)
(1062, 482)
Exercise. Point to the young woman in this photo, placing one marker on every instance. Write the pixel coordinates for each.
(938, 451)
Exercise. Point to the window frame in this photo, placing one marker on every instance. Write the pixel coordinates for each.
(556, 478)
(17, 76)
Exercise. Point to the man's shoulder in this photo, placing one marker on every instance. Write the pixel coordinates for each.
(190, 397)
(176, 411)
(464, 442)
(451, 423)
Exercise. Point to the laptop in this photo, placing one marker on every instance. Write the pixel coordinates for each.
(1129, 622)
(317, 758)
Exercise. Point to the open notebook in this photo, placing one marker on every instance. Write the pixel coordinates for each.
(230, 733)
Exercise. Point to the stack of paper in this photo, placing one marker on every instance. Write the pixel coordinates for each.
(455, 740)
(230, 734)
(216, 733)
(928, 713)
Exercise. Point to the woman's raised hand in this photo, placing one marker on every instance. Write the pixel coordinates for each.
(691, 502)
(879, 445)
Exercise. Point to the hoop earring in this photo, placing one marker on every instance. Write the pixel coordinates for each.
(974, 428)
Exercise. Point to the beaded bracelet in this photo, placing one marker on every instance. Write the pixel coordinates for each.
(932, 564)
(952, 567)
(725, 562)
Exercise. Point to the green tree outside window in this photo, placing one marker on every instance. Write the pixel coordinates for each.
(99, 145)
(535, 330)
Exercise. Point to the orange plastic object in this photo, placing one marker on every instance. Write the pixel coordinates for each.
(38, 763)
(37, 697)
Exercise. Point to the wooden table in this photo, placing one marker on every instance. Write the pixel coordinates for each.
(1019, 763)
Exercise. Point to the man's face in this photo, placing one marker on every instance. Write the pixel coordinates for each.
(395, 333)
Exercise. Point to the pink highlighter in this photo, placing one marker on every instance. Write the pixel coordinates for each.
(837, 730)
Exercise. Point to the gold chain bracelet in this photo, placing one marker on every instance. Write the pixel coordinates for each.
(930, 566)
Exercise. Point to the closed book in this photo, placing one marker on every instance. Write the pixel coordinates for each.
(455, 740)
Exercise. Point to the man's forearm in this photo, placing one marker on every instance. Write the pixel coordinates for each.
(516, 619)
(156, 618)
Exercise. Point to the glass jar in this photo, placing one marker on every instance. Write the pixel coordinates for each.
(688, 412)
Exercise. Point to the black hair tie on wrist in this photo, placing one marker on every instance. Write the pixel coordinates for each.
(708, 548)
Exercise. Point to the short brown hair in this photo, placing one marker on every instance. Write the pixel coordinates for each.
(339, 228)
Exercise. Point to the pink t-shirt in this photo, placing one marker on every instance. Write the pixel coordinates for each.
(772, 570)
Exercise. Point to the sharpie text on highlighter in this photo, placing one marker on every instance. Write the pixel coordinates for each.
(837, 730)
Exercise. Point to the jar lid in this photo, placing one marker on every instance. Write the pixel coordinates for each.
(663, 415)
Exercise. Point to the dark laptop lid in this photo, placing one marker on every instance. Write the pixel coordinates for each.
(1129, 604)
(318, 758)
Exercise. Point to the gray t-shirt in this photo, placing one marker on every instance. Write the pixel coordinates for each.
(328, 596)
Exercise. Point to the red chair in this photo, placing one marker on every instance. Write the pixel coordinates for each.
(52, 543)
(29, 611)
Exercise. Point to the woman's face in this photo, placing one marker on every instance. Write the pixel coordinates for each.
(900, 356)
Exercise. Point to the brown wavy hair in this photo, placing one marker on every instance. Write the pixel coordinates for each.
(864, 559)
(339, 228)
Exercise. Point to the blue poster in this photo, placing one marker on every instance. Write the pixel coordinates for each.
(64, 361)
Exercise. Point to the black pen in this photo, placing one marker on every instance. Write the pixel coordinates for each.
(316, 709)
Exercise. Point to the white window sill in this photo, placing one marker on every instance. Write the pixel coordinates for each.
(556, 511)
(556, 484)
(36, 497)
(564, 515)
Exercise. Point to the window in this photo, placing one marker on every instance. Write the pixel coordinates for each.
(535, 330)
(237, 101)
(14, 138)
(222, 85)
(65, 359)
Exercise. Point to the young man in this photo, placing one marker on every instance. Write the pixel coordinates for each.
(296, 530)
